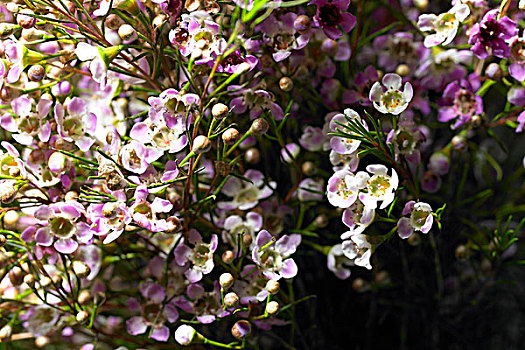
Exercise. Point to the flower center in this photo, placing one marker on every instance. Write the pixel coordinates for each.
(378, 185)
(330, 15)
(62, 227)
(392, 99)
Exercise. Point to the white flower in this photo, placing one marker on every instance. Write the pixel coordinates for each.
(379, 187)
(393, 100)
(358, 249)
(445, 25)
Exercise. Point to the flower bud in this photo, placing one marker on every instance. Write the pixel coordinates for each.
(302, 24)
(82, 316)
(113, 21)
(272, 287)
(45, 282)
(81, 269)
(32, 34)
(158, 21)
(231, 299)
(439, 163)
(485, 266)
(247, 240)
(382, 277)
(259, 126)
(228, 257)
(6, 29)
(185, 335)
(252, 156)
(272, 307)
(99, 298)
(414, 239)
(36, 73)
(494, 72)
(16, 276)
(84, 297)
(29, 280)
(42, 341)
(174, 224)
(12, 7)
(8, 191)
(219, 111)
(329, 47)
(5, 333)
(230, 136)
(476, 121)
(459, 143)
(241, 329)
(57, 280)
(309, 168)
(359, 284)
(71, 196)
(57, 162)
(226, 280)
(11, 218)
(430, 182)
(461, 252)
(3, 240)
(321, 221)
(286, 84)
(127, 32)
(403, 70)
(24, 19)
(201, 144)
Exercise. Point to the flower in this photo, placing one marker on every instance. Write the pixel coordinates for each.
(99, 58)
(310, 190)
(330, 16)
(445, 25)
(390, 99)
(337, 262)
(312, 139)
(184, 334)
(78, 122)
(358, 249)
(379, 187)
(420, 219)
(460, 101)
(517, 55)
(357, 218)
(145, 213)
(342, 123)
(342, 189)
(491, 34)
(200, 256)
(273, 258)
(61, 225)
(235, 227)
(246, 194)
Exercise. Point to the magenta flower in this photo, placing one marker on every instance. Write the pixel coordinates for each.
(145, 213)
(274, 258)
(330, 16)
(489, 36)
(460, 101)
(517, 55)
(200, 256)
(77, 124)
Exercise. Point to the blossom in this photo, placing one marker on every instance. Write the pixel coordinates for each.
(245, 194)
(312, 138)
(379, 187)
(99, 59)
(389, 98)
(517, 55)
(342, 123)
(357, 218)
(109, 219)
(310, 190)
(420, 219)
(256, 101)
(274, 258)
(445, 25)
(338, 263)
(491, 34)
(344, 161)
(460, 101)
(358, 249)
(78, 122)
(235, 227)
(145, 213)
(200, 256)
(342, 189)
(331, 15)
(61, 225)
(184, 334)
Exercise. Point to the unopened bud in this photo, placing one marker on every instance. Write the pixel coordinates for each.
(321, 221)
(29, 280)
(174, 224)
(230, 136)
(84, 297)
(403, 70)
(36, 73)
(6, 29)
(330, 47)
(12, 7)
(45, 282)
(286, 84)
(273, 287)
(24, 19)
(127, 32)
(8, 191)
(359, 284)
(201, 144)
(227, 257)
(476, 121)
(42, 341)
(302, 24)
(309, 168)
(113, 21)
(247, 240)
(241, 329)
(57, 280)
(158, 20)
(5, 333)
(226, 280)
(57, 162)
(219, 111)
(185, 335)
(99, 298)
(494, 72)
(414, 239)
(272, 307)
(459, 143)
(82, 316)
(259, 126)
(71, 196)
(32, 34)
(16, 276)
(382, 277)
(231, 299)
(461, 252)
(3, 240)
(485, 266)
(81, 269)
(252, 156)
